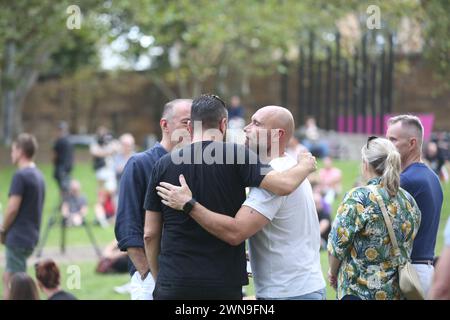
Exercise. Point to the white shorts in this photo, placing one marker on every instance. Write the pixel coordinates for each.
(425, 273)
(142, 290)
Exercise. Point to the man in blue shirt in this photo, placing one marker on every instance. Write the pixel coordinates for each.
(129, 228)
(406, 132)
(20, 229)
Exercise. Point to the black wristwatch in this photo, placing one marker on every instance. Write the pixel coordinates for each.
(187, 208)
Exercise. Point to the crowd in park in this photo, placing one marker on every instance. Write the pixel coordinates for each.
(194, 200)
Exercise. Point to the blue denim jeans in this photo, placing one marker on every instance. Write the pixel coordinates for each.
(316, 295)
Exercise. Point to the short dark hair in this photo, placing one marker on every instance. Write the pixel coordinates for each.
(410, 121)
(209, 109)
(27, 143)
(47, 272)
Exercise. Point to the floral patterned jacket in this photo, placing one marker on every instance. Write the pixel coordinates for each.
(359, 238)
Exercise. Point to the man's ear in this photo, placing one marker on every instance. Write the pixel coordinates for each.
(277, 134)
(223, 125)
(413, 142)
(163, 124)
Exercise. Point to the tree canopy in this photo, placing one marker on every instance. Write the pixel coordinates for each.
(185, 42)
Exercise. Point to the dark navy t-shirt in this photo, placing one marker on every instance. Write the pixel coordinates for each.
(24, 231)
(423, 184)
(64, 154)
(62, 295)
(129, 228)
(190, 256)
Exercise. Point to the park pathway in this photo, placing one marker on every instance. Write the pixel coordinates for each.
(73, 254)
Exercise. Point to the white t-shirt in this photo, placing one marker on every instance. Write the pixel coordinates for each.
(284, 255)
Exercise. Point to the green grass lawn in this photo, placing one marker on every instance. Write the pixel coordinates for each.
(94, 286)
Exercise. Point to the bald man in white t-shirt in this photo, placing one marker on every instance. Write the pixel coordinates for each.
(283, 231)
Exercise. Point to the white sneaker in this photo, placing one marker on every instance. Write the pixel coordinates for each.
(125, 289)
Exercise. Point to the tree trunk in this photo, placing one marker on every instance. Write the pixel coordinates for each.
(74, 112)
(21, 91)
(222, 87)
(8, 92)
(196, 87)
(182, 89)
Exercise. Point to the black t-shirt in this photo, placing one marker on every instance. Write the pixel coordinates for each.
(191, 256)
(62, 295)
(24, 231)
(64, 154)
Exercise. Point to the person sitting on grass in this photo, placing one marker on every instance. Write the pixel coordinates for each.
(105, 208)
(74, 207)
(23, 287)
(113, 260)
(330, 180)
(324, 215)
(48, 278)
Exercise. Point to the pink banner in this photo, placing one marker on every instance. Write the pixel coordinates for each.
(346, 124)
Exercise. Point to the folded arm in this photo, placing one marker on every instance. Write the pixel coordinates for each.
(129, 228)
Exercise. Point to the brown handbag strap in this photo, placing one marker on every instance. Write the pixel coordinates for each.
(387, 220)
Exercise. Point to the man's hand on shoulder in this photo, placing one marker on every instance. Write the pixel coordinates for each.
(174, 196)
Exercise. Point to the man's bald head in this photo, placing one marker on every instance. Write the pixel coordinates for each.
(276, 117)
(270, 130)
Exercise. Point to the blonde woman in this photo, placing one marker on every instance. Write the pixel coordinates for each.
(361, 257)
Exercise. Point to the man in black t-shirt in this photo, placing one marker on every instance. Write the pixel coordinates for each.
(187, 261)
(20, 229)
(62, 158)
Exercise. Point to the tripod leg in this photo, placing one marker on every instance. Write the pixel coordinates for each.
(92, 239)
(50, 223)
(63, 235)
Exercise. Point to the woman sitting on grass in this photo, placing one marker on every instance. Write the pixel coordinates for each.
(48, 277)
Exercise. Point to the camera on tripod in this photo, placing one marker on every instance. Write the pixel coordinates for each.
(63, 163)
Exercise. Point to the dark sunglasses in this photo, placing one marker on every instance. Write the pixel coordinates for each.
(217, 98)
(370, 139)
